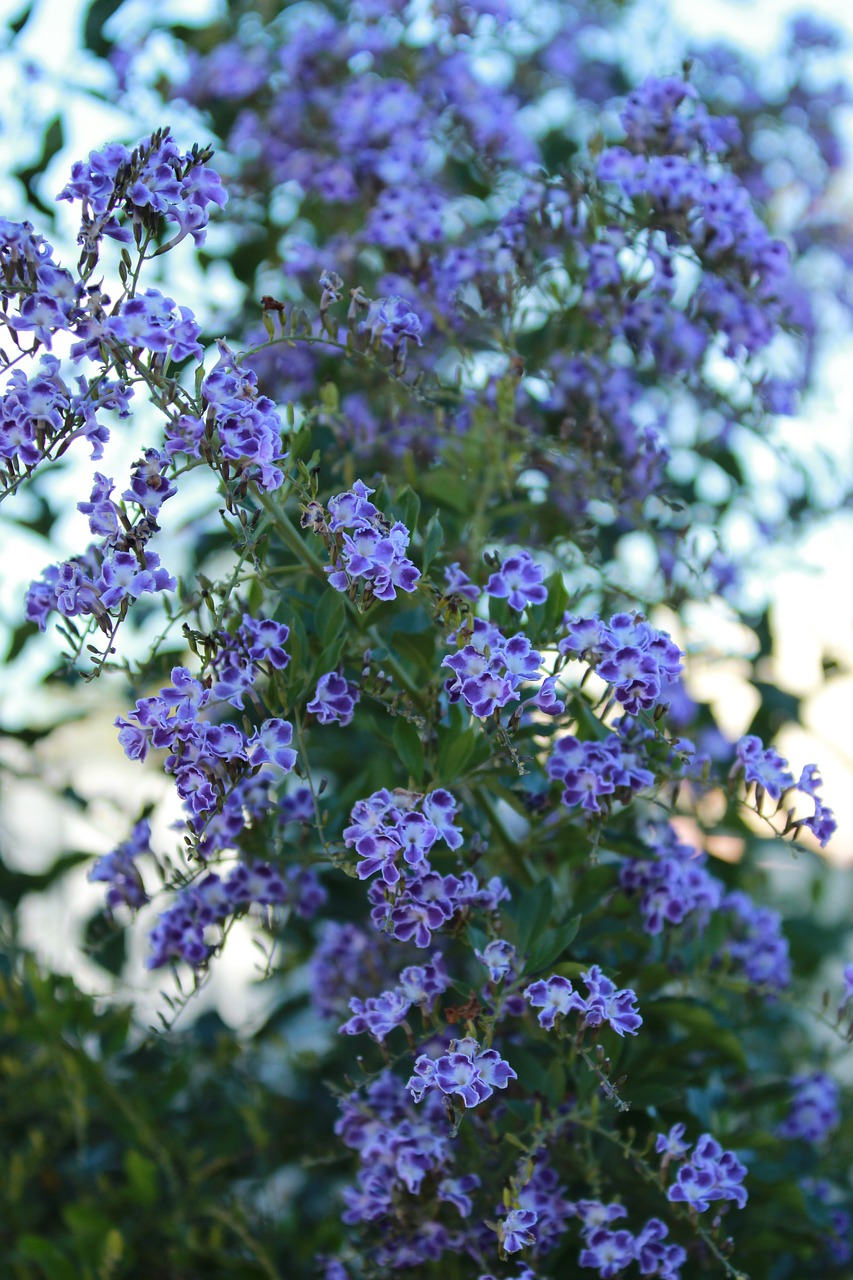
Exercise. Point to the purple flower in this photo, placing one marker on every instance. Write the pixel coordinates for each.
(118, 869)
(455, 1191)
(546, 699)
(153, 178)
(397, 318)
(122, 575)
(822, 822)
(264, 640)
(374, 551)
(334, 699)
(458, 583)
(378, 853)
(847, 990)
(764, 766)
(556, 997)
(609, 1251)
(498, 957)
(377, 1015)
(710, 1174)
(515, 1230)
(466, 1071)
(671, 1144)
(814, 1108)
(519, 581)
(420, 984)
(606, 1004)
(417, 921)
(655, 1258)
(416, 836)
(635, 677)
(270, 744)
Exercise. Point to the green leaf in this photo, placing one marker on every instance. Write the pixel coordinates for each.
(297, 641)
(532, 1076)
(650, 1095)
(329, 397)
(407, 507)
(17, 25)
(533, 913)
(454, 752)
(433, 539)
(547, 616)
(548, 947)
(15, 884)
(106, 942)
(97, 18)
(52, 1261)
(408, 745)
(329, 616)
(142, 1177)
(54, 140)
(331, 655)
(556, 1083)
(448, 490)
(705, 1025)
(478, 939)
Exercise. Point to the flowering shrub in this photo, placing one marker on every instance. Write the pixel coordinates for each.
(424, 741)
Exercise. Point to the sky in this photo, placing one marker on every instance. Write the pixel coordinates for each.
(810, 585)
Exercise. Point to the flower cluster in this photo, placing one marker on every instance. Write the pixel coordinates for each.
(596, 771)
(393, 833)
(611, 1251)
(40, 415)
(747, 277)
(489, 669)
(398, 1148)
(46, 296)
(240, 426)
(183, 931)
(146, 322)
(365, 546)
(653, 119)
(764, 766)
(710, 1174)
(672, 886)
(556, 997)
(153, 180)
(111, 573)
(814, 1109)
(255, 647)
(466, 1072)
(378, 1015)
(389, 826)
(430, 902)
(628, 652)
(772, 776)
(222, 774)
(537, 1191)
(758, 944)
(119, 870)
